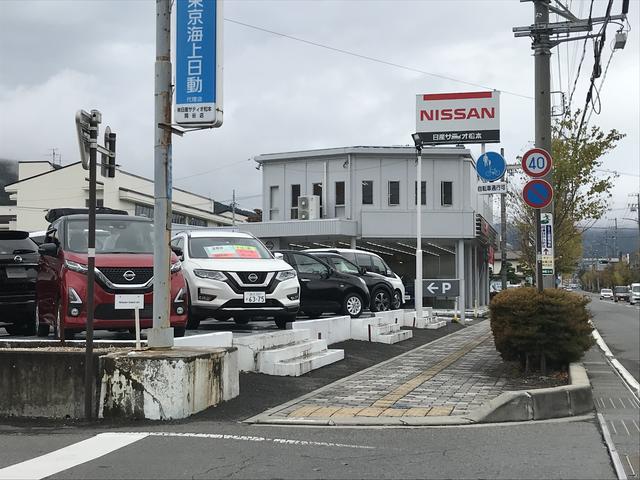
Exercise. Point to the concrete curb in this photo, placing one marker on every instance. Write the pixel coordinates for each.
(513, 406)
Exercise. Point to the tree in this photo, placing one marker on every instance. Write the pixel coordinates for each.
(581, 194)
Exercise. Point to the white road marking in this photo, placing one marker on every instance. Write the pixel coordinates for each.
(625, 427)
(613, 426)
(69, 457)
(636, 425)
(250, 438)
(633, 472)
(613, 405)
(622, 403)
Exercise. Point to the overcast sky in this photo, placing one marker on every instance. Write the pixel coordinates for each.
(282, 95)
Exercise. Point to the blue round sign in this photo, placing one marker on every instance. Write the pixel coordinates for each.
(491, 166)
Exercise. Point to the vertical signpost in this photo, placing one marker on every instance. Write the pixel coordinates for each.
(198, 105)
(538, 194)
(451, 119)
(133, 302)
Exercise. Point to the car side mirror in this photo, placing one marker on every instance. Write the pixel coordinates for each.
(278, 256)
(50, 249)
(363, 270)
(178, 251)
(328, 272)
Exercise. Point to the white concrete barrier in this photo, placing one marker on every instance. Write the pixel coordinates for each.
(333, 329)
(213, 340)
(250, 345)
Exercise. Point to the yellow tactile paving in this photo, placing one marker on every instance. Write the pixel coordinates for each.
(394, 412)
(417, 412)
(418, 380)
(440, 411)
(304, 411)
(347, 412)
(324, 412)
(370, 412)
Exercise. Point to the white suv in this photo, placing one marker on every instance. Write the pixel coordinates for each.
(372, 263)
(232, 274)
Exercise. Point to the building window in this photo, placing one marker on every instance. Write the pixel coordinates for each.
(367, 192)
(446, 193)
(423, 192)
(394, 192)
(99, 202)
(178, 218)
(339, 194)
(144, 211)
(197, 222)
(274, 211)
(317, 190)
(295, 193)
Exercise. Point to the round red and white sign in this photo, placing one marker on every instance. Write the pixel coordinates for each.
(536, 162)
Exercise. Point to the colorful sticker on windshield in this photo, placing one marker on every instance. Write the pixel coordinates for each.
(232, 251)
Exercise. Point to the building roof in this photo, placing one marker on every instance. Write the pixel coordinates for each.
(364, 150)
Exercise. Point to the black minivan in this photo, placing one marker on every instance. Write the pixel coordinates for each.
(323, 289)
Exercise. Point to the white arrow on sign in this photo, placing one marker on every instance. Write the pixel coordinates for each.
(432, 288)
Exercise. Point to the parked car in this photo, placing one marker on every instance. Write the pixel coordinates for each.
(372, 263)
(233, 275)
(18, 270)
(124, 265)
(634, 295)
(380, 290)
(324, 289)
(621, 293)
(606, 294)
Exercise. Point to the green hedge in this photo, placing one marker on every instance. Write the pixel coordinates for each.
(548, 329)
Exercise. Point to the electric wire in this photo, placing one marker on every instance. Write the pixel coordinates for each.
(372, 59)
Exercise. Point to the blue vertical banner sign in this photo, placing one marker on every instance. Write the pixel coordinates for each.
(198, 63)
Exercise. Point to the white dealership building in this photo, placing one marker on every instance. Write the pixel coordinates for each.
(365, 197)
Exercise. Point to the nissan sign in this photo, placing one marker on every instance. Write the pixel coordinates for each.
(453, 118)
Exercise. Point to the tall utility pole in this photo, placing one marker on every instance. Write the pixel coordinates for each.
(503, 233)
(233, 207)
(545, 36)
(418, 284)
(161, 335)
(542, 54)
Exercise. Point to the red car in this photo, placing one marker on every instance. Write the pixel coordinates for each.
(124, 265)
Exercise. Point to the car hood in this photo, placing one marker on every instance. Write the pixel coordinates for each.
(238, 264)
(117, 259)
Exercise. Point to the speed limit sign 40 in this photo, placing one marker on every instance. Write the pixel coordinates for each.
(536, 162)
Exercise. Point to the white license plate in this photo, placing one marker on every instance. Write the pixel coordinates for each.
(255, 297)
(16, 272)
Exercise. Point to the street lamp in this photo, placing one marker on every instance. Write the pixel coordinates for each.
(418, 283)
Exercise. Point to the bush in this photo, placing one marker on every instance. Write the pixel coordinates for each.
(551, 327)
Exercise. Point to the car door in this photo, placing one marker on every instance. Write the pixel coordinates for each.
(318, 288)
(49, 276)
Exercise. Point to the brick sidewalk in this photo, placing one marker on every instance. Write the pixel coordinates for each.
(448, 377)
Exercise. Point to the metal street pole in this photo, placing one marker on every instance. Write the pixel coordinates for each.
(161, 335)
(418, 285)
(503, 233)
(91, 265)
(542, 53)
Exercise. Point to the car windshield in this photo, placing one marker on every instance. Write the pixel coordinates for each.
(343, 265)
(621, 289)
(606, 290)
(227, 248)
(112, 236)
(15, 242)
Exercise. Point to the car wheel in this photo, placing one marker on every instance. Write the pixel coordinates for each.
(381, 300)
(352, 305)
(178, 331)
(59, 331)
(396, 302)
(42, 329)
(282, 320)
(193, 319)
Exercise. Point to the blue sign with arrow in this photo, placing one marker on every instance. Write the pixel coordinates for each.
(491, 166)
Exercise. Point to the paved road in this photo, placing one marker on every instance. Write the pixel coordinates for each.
(225, 450)
(619, 325)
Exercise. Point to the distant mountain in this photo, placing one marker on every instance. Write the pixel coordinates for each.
(8, 174)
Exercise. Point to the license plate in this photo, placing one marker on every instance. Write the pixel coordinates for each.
(13, 272)
(255, 297)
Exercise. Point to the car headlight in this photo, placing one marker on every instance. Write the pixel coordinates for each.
(176, 267)
(75, 266)
(286, 275)
(210, 274)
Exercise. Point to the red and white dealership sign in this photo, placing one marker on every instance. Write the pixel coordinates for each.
(471, 117)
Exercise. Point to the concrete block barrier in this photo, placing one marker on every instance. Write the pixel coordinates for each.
(333, 329)
(166, 384)
(211, 340)
(249, 346)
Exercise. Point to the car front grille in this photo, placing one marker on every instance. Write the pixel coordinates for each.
(116, 275)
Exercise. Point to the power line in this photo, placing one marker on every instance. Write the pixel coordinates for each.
(372, 59)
